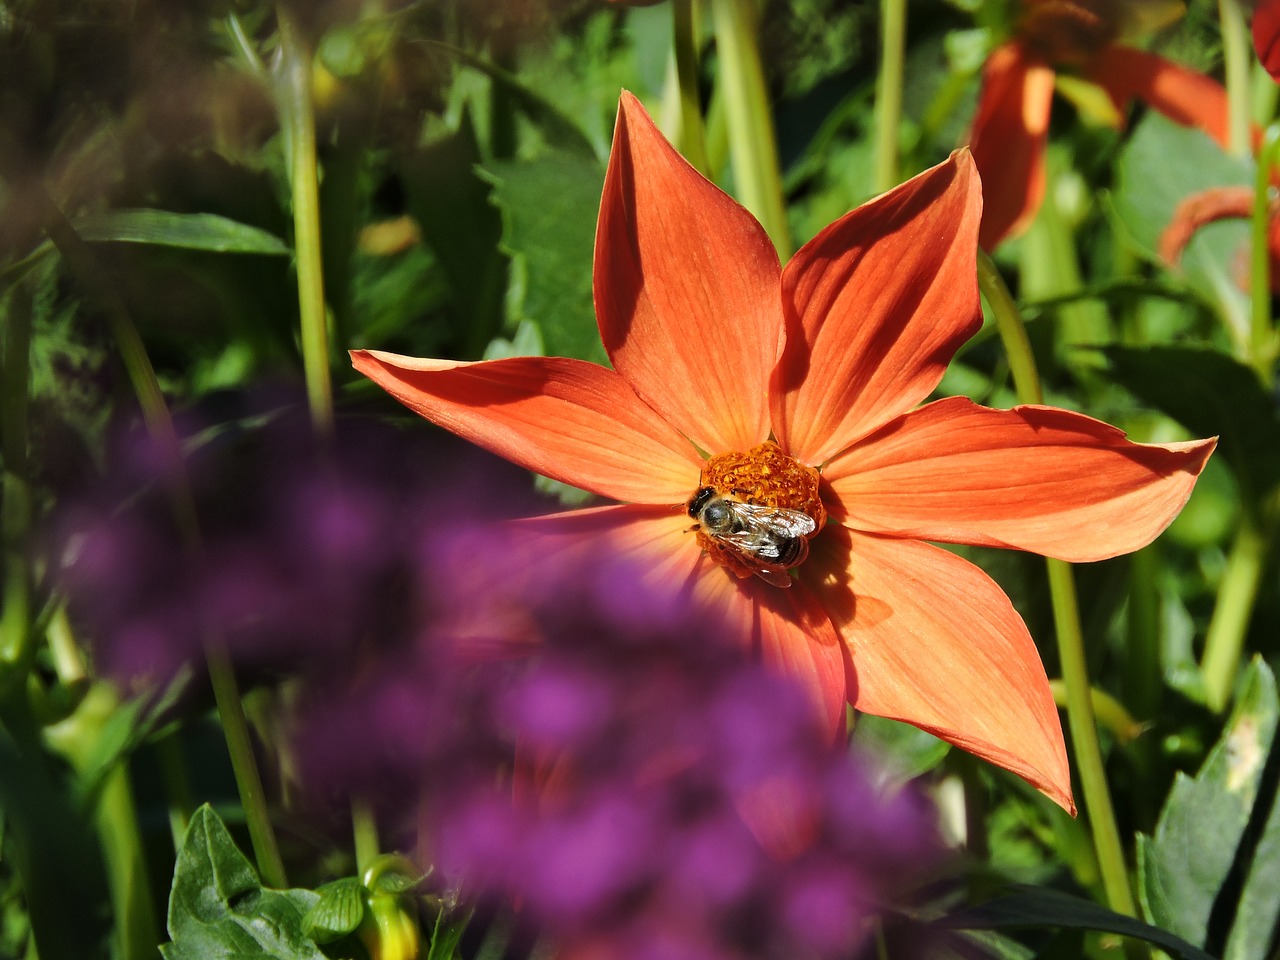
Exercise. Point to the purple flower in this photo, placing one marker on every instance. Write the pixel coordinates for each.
(608, 760)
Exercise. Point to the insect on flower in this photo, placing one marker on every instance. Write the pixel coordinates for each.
(768, 540)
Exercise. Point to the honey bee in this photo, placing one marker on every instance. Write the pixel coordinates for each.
(768, 540)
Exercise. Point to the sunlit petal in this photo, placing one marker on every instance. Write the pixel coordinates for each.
(1031, 478)
(686, 291)
(879, 301)
(1010, 131)
(567, 419)
(936, 643)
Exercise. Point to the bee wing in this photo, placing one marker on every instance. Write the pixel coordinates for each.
(751, 545)
(777, 520)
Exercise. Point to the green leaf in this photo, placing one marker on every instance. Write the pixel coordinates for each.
(1150, 187)
(338, 911)
(903, 750)
(1210, 394)
(219, 909)
(1043, 907)
(191, 231)
(549, 207)
(1205, 837)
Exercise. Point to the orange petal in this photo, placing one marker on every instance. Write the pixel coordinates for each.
(658, 540)
(686, 290)
(1008, 140)
(790, 630)
(567, 419)
(880, 301)
(1181, 94)
(935, 642)
(1032, 478)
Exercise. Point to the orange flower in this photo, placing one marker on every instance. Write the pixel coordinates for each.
(1011, 126)
(770, 384)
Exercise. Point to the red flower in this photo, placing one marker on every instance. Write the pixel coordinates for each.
(1011, 126)
(716, 350)
(1266, 35)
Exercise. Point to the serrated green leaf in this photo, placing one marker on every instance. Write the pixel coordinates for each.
(219, 909)
(549, 207)
(1183, 866)
(191, 231)
(1042, 907)
(1210, 394)
(338, 911)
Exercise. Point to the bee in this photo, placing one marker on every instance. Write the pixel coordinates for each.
(767, 540)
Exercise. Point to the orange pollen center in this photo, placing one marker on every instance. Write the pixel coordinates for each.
(763, 476)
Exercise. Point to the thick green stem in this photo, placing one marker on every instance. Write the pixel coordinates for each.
(1236, 49)
(1066, 616)
(1224, 640)
(1111, 713)
(300, 133)
(364, 832)
(752, 142)
(888, 113)
(693, 141)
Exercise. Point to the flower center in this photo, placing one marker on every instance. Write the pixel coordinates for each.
(756, 510)
(1068, 33)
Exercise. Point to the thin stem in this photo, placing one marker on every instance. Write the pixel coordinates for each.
(80, 259)
(177, 787)
(888, 112)
(693, 141)
(294, 91)
(1066, 616)
(15, 519)
(1111, 713)
(1237, 592)
(1236, 54)
(364, 831)
(1261, 336)
(752, 141)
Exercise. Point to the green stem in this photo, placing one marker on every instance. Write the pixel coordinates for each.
(15, 519)
(888, 113)
(235, 727)
(693, 141)
(1224, 640)
(1236, 50)
(1261, 336)
(1142, 670)
(364, 831)
(177, 787)
(294, 90)
(752, 142)
(1066, 616)
(84, 265)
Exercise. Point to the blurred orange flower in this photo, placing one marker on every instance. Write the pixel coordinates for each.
(794, 391)
(1011, 127)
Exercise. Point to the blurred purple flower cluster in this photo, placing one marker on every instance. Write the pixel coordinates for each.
(307, 552)
(551, 726)
(586, 743)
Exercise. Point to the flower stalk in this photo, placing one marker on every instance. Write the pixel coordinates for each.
(693, 141)
(888, 110)
(1236, 54)
(1081, 719)
(752, 141)
(298, 118)
(142, 375)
